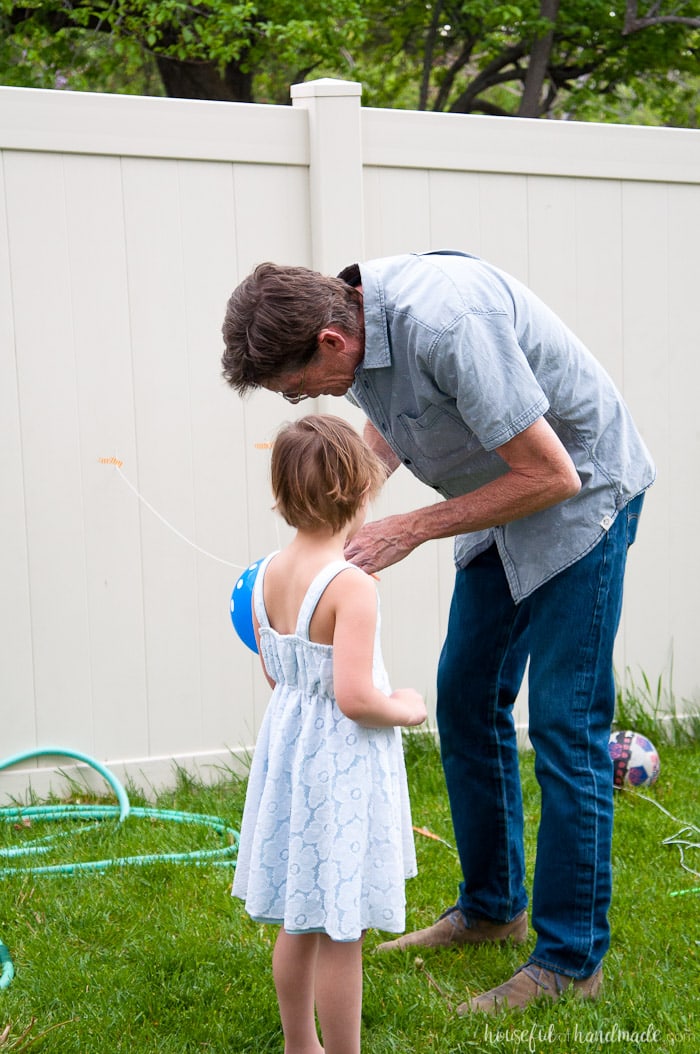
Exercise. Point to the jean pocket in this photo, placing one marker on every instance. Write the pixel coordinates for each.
(633, 511)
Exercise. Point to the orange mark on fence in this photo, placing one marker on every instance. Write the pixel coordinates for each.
(110, 461)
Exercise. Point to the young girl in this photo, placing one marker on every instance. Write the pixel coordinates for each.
(326, 838)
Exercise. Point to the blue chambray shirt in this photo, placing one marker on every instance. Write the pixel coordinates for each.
(459, 358)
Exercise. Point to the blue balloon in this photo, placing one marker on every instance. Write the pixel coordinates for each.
(241, 606)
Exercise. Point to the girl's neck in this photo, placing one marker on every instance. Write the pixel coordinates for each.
(325, 544)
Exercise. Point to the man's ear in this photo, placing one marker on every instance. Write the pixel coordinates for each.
(332, 339)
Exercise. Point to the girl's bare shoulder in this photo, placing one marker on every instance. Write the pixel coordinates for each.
(352, 585)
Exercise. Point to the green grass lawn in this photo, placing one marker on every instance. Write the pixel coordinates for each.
(160, 958)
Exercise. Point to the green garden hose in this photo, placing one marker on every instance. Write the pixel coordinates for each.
(8, 970)
(59, 752)
(224, 856)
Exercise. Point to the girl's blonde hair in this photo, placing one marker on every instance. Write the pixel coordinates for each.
(322, 470)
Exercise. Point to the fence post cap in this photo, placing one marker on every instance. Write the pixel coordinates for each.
(325, 86)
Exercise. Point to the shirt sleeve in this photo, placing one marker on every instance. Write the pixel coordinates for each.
(480, 364)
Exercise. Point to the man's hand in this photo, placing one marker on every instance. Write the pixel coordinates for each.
(381, 543)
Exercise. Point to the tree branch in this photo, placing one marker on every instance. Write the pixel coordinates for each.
(451, 73)
(428, 56)
(634, 24)
(540, 54)
(494, 73)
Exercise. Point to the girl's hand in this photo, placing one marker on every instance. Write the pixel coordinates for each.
(414, 705)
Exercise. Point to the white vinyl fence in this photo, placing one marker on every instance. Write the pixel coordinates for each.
(124, 225)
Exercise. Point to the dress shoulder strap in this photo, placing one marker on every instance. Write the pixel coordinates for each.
(258, 598)
(315, 592)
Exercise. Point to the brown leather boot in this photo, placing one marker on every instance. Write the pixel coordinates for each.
(530, 983)
(453, 928)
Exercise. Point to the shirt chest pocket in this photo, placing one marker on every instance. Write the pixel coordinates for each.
(441, 446)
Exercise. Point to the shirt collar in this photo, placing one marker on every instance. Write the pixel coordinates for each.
(377, 347)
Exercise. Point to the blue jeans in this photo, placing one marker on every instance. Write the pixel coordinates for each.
(567, 630)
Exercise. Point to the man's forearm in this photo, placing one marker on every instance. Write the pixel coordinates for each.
(510, 497)
(376, 441)
(541, 474)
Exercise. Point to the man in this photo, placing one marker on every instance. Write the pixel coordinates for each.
(470, 381)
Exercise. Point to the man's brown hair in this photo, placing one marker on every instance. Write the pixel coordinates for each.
(321, 472)
(273, 320)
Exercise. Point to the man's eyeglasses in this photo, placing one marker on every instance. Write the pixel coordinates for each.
(299, 396)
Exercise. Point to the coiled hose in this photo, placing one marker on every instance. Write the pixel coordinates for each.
(224, 856)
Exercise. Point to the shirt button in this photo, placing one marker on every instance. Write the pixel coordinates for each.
(407, 461)
(606, 523)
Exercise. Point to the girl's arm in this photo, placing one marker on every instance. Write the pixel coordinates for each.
(355, 601)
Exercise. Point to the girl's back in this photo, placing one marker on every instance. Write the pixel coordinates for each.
(326, 838)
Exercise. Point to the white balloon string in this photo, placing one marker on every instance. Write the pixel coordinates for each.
(678, 839)
(118, 466)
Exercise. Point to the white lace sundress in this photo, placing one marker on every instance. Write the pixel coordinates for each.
(326, 838)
